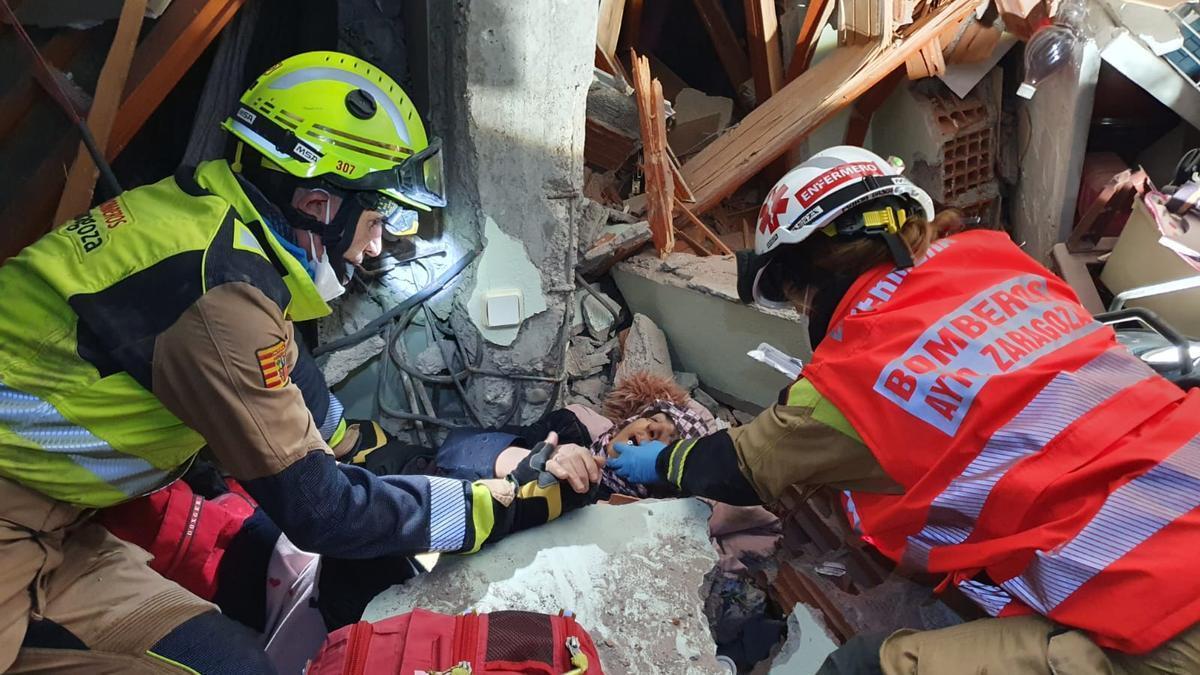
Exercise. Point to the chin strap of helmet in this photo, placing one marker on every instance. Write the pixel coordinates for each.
(336, 235)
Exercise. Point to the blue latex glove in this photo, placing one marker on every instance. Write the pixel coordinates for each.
(637, 463)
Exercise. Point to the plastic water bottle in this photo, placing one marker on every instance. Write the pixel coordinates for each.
(1053, 45)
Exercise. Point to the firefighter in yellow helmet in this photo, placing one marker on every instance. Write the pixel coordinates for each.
(161, 322)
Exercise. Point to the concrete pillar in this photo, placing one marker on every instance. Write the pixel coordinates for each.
(1052, 137)
(508, 88)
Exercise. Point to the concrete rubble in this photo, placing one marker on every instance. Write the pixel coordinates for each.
(808, 643)
(611, 244)
(632, 574)
(589, 391)
(687, 381)
(587, 357)
(339, 366)
(597, 317)
(645, 350)
(695, 301)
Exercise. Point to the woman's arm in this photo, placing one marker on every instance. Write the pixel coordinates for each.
(802, 440)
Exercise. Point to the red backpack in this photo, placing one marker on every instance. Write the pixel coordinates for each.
(499, 643)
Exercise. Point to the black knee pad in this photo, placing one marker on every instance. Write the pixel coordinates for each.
(214, 644)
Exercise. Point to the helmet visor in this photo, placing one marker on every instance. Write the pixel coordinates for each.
(759, 281)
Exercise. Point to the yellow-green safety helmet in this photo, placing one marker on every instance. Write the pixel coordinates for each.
(336, 117)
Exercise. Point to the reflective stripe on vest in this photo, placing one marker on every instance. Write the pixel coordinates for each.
(1132, 514)
(1064, 400)
(40, 423)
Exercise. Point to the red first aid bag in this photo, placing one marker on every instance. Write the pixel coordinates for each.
(499, 643)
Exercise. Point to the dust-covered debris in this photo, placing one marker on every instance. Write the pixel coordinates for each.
(632, 574)
(645, 350)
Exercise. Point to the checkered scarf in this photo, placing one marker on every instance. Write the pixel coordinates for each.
(688, 424)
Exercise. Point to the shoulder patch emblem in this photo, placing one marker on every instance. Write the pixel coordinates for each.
(272, 362)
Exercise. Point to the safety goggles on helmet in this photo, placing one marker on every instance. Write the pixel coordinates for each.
(419, 178)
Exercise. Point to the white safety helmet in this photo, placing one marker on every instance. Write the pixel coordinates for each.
(818, 195)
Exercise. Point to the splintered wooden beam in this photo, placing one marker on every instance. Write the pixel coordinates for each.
(724, 40)
(81, 181)
(656, 164)
(864, 20)
(815, 19)
(179, 38)
(927, 62)
(766, 61)
(791, 115)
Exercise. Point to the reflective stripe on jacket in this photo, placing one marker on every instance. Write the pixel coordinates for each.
(83, 307)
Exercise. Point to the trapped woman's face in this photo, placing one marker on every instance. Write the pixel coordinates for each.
(657, 427)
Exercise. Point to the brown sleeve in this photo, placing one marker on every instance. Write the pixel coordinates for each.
(222, 368)
(786, 446)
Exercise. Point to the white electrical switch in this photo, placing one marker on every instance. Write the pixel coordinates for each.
(503, 308)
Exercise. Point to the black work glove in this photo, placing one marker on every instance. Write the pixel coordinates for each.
(384, 455)
(519, 502)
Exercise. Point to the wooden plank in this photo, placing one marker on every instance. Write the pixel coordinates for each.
(656, 165)
(29, 216)
(611, 65)
(927, 62)
(762, 35)
(815, 19)
(682, 192)
(864, 21)
(715, 245)
(725, 41)
(788, 117)
(81, 181)
(179, 38)
(608, 27)
(59, 52)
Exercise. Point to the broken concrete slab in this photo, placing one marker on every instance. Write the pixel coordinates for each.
(430, 361)
(703, 398)
(632, 574)
(695, 301)
(342, 363)
(687, 381)
(597, 317)
(593, 216)
(645, 351)
(587, 357)
(808, 643)
(509, 102)
(614, 243)
(591, 389)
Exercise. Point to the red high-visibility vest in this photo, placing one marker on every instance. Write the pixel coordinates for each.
(1029, 443)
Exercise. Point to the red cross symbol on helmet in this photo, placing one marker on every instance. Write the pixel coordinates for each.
(773, 206)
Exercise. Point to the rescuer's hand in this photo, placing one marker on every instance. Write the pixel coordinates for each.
(637, 463)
